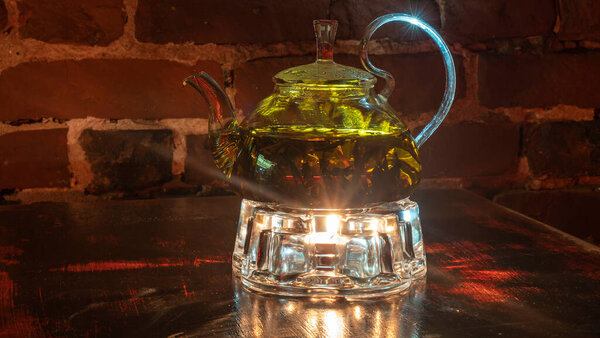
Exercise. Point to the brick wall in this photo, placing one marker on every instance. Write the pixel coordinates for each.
(91, 100)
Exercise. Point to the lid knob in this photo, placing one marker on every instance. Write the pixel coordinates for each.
(325, 33)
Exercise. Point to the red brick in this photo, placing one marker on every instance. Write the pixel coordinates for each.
(573, 211)
(471, 150)
(200, 168)
(3, 15)
(476, 20)
(34, 159)
(103, 88)
(419, 79)
(90, 22)
(539, 81)
(354, 16)
(563, 149)
(580, 20)
(127, 160)
(227, 21)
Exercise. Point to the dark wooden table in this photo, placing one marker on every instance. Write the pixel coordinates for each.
(163, 268)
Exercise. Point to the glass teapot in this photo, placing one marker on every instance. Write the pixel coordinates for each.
(325, 166)
(324, 137)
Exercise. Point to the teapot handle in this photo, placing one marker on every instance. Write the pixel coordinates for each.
(390, 82)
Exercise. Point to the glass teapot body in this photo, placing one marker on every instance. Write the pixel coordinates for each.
(324, 138)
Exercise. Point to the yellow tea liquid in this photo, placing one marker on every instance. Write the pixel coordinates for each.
(320, 167)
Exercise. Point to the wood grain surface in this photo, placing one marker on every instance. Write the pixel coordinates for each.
(163, 268)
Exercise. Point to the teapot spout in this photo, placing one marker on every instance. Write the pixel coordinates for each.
(223, 131)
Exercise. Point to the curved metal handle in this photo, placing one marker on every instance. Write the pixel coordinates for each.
(390, 82)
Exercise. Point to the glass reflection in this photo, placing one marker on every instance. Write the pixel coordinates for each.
(265, 315)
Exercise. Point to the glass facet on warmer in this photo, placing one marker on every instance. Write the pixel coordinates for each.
(320, 252)
(325, 167)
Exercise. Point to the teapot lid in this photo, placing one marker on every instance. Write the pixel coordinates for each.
(325, 71)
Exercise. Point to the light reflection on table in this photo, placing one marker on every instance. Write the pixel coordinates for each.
(264, 315)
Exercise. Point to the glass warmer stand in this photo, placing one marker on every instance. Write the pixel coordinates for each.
(352, 253)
